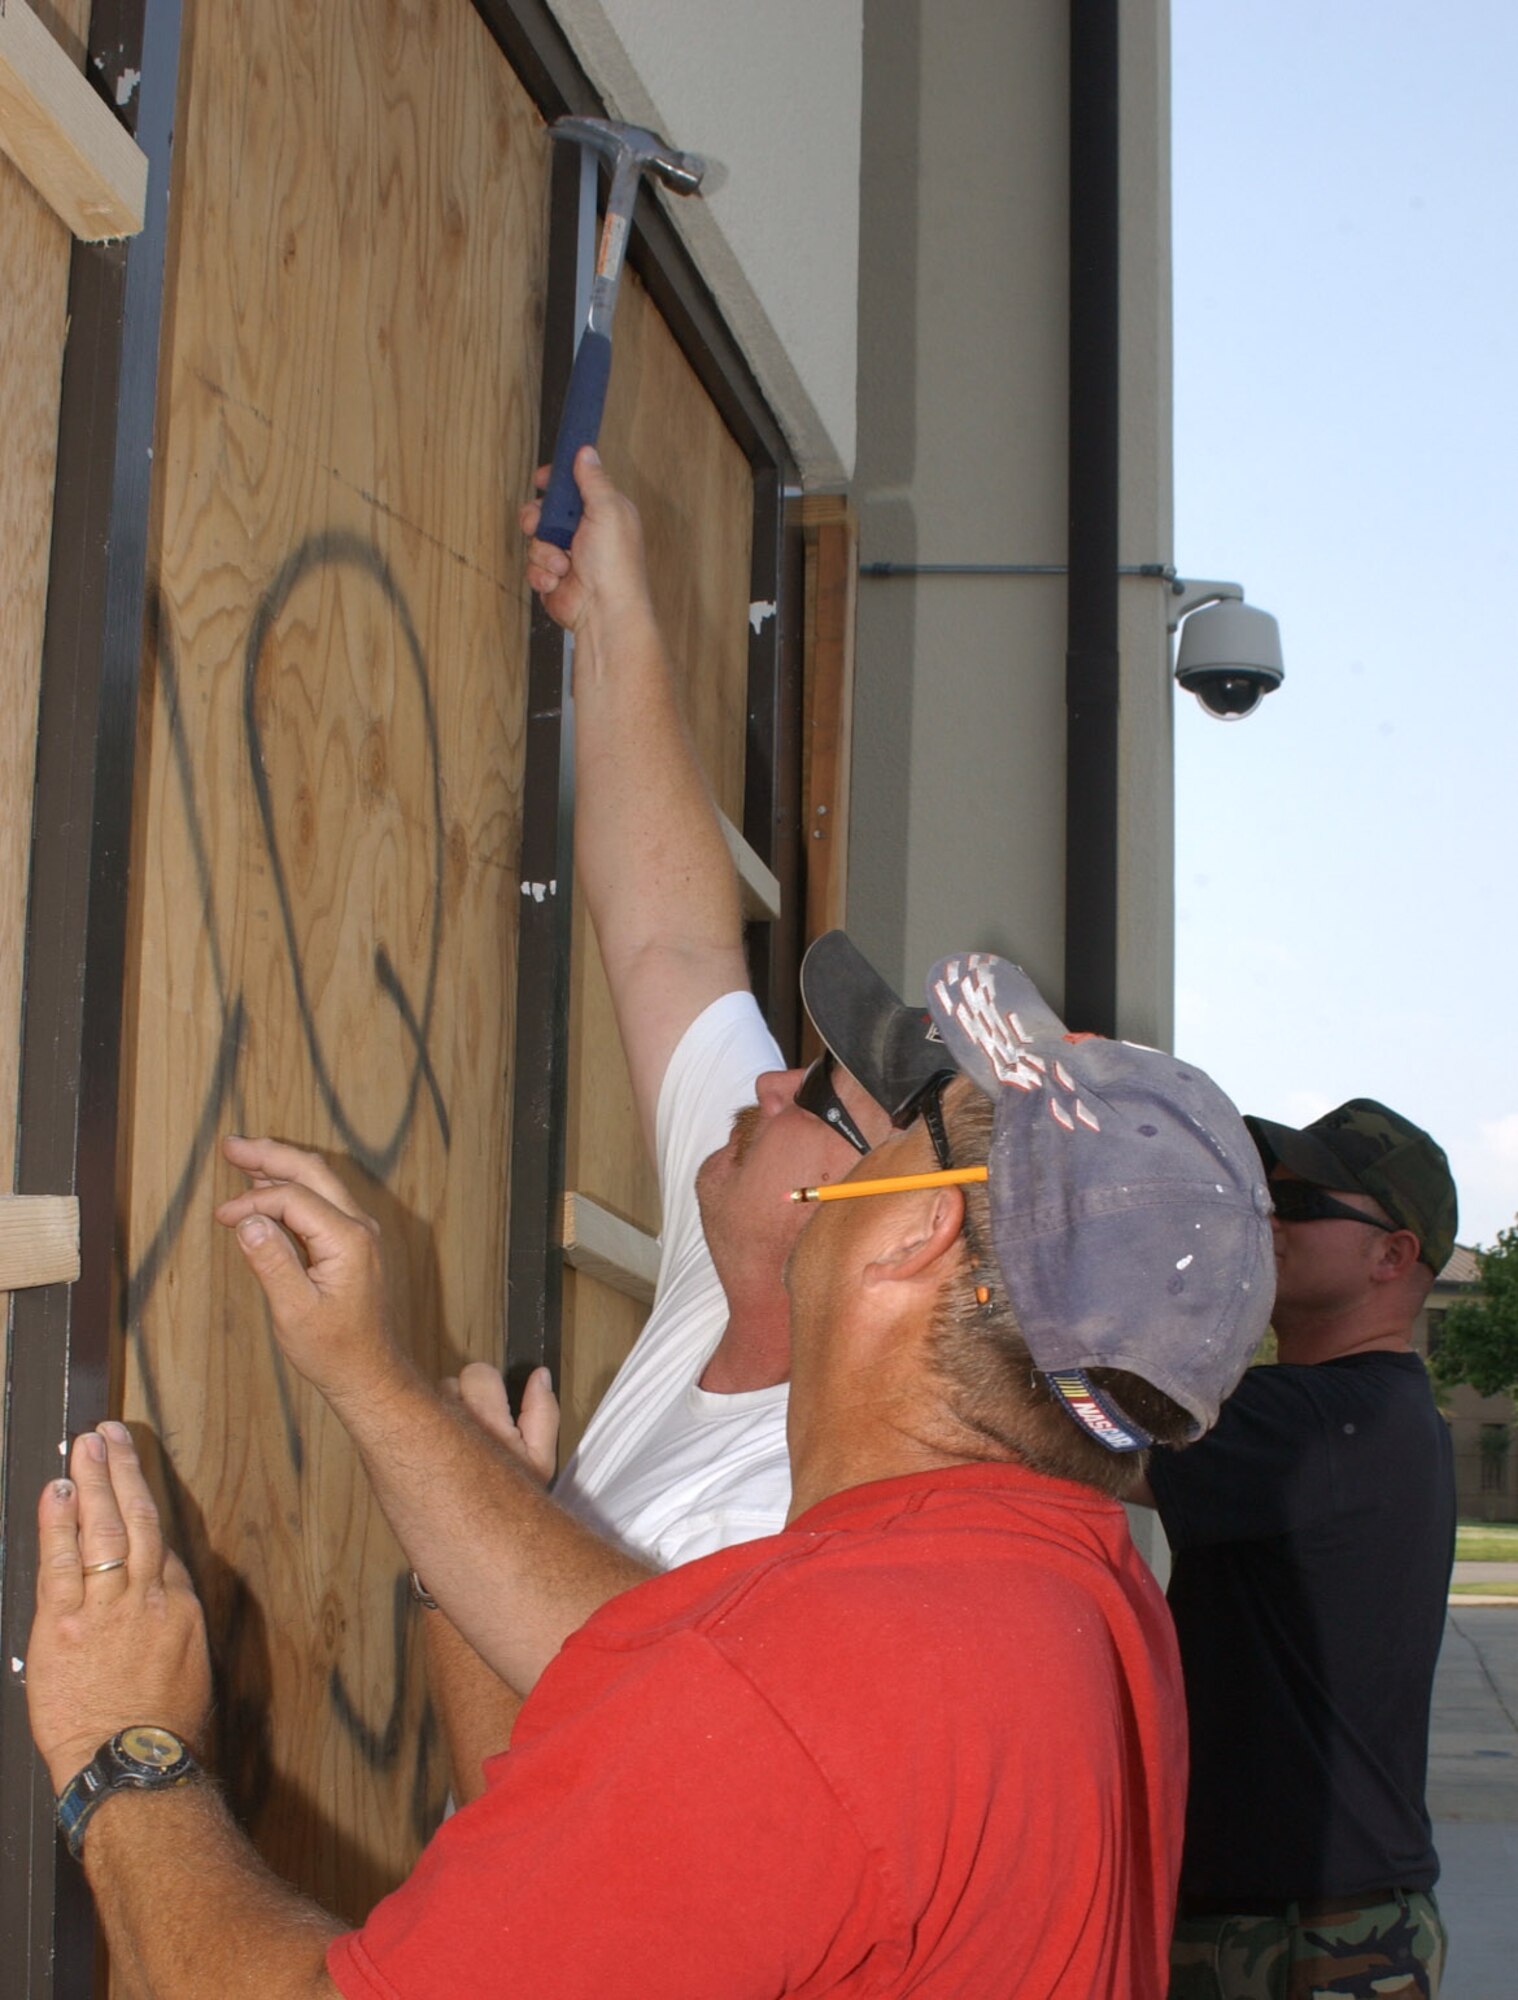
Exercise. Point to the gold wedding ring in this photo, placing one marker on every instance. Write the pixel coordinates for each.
(99, 1569)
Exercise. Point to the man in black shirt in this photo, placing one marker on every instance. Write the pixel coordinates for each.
(1313, 1534)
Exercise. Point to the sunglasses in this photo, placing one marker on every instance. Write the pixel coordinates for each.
(928, 1106)
(1300, 1201)
(815, 1093)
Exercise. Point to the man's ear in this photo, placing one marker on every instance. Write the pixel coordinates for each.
(926, 1229)
(1399, 1251)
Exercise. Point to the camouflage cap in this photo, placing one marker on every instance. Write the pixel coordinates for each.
(1364, 1148)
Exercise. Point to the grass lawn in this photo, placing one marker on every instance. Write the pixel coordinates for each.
(1486, 1541)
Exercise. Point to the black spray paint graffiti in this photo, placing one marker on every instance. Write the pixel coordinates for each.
(248, 1755)
(337, 551)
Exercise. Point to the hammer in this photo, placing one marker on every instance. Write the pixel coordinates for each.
(630, 149)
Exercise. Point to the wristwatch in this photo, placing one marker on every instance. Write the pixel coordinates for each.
(144, 1757)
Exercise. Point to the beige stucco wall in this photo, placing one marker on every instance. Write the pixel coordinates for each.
(771, 94)
(1146, 775)
(957, 833)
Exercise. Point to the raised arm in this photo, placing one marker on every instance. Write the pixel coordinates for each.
(513, 1571)
(649, 851)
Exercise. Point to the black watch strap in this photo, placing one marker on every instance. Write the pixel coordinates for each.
(145, 1757)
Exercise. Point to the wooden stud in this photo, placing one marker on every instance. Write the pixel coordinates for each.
(760, 885)
(832, 547)
(39, 1240)
(62, 136)
(604, 1246)
(831, 533)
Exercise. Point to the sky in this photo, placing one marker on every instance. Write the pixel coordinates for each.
(1345, 198)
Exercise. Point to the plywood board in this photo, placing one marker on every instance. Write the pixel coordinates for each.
(327, 857)
(34, 271)
(664, 443)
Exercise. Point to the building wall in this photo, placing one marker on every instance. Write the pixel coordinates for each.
(1146, 772)
(1481, 1427)
(1486, 1464)
(957, 834)
(771, 95)
(922, 150)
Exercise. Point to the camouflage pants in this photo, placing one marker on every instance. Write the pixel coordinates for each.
(1385, 1951)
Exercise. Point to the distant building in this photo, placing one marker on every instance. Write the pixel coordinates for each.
(1481, 1427)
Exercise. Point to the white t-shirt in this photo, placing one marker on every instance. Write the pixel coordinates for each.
(666, 1468)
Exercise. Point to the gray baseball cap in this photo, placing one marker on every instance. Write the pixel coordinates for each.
(1129, 1212)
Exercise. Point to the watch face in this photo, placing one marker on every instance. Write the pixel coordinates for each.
(144, 1756)
(145, 1743)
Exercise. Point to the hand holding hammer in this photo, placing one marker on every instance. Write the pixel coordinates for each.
(631, 150)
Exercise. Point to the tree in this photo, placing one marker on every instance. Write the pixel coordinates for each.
(1479, 1337)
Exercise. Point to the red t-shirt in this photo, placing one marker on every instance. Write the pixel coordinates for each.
(930, 1740)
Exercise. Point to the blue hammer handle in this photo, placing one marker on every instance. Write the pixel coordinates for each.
(579, 423)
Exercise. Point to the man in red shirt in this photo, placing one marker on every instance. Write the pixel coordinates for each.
(928, 1739)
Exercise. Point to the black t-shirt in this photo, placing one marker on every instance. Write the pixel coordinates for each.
(1313, 1532)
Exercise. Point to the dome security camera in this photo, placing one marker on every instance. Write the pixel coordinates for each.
(1230, 659)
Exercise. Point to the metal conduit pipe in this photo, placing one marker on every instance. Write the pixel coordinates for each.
(1091, 654)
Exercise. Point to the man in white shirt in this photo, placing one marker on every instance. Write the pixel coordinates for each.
(687, 1452)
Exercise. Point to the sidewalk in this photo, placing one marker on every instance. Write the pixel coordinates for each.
(1471, 1575)
(1473, 1798)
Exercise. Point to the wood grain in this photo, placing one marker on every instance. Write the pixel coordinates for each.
(666, 446)
(39, 1239)
(34, 271)
(325, 917)
(62, 136)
